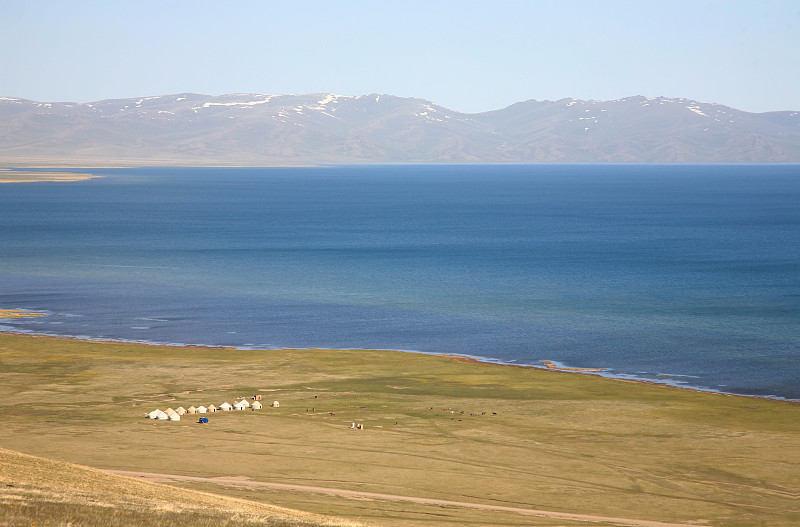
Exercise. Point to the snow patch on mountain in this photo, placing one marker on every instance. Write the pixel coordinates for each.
(329, 98)
(696, 109)
(237, 103)
(140, 101)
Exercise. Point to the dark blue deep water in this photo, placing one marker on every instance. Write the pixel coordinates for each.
(682, 274)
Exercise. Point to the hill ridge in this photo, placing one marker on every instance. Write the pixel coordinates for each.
(266, 129)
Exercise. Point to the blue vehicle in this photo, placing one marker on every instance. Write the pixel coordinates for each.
(203, 420)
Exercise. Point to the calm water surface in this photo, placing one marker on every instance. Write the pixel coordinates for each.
(681, 274)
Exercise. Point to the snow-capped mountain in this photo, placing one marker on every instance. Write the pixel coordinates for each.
(255, 129)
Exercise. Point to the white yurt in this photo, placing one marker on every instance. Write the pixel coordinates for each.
(202, 409)
(174, 416)
(180, 410)
(240, 405)
(225, 407)
(169, 411)
(162, 416)
(245, 402)
(153, 414)
(275, 404)
(191, 410)
(212, 408)
(257, 405)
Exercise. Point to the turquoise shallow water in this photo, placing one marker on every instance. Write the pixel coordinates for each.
(681, 274)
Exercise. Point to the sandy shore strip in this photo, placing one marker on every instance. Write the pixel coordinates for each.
(8, 175)
(19, 313)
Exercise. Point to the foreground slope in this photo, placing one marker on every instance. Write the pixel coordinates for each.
(34, 490)
(257, 129)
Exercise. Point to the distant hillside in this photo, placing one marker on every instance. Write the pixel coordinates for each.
(38, 491)
(252, 129)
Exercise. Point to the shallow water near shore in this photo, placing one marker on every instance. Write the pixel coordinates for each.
(681, 274)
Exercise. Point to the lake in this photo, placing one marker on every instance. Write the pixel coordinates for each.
(681, 274)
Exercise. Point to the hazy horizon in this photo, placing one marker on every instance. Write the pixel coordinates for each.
(361, 95)
(466, 56)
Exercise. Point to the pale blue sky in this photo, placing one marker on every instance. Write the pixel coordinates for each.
(466, 55)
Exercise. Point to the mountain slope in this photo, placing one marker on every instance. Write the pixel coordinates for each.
(254, 129)
(641, 129)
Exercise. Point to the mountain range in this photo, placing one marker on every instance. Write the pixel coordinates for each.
(258, 130)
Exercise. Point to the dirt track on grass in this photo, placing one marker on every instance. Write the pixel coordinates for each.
(245, 482)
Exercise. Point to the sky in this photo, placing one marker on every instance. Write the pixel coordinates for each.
(469, 56)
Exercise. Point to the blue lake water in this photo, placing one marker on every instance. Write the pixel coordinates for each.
(681, 274)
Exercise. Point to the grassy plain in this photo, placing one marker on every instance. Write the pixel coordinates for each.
(435, 427)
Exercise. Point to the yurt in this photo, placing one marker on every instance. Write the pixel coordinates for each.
(225, 407)
(191, 410)
(245, 402)
(212, 408)
(202, 409)
(162, 416)
(153, 414)
(169, 411)
(174, 416)
(257, 397)
(257, 405)
(180, 410)
(275, 404)
(240, 405)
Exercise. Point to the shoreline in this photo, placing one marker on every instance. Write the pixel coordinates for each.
(547, 365)
(594, 373)
(10, 175)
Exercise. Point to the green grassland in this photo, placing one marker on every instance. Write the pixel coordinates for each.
(435, 427)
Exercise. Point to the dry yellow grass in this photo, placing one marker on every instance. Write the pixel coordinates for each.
(64, 492)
